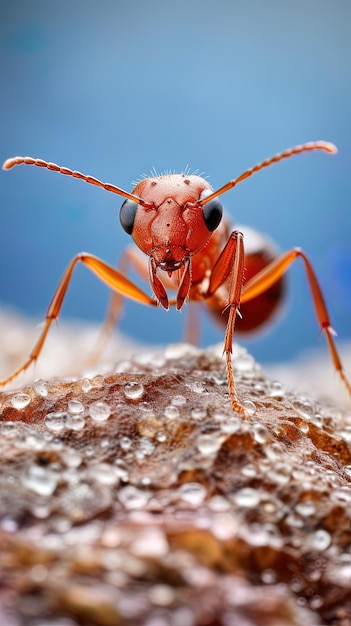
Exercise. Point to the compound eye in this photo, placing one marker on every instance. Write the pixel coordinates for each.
(127, 215)
(212, 211)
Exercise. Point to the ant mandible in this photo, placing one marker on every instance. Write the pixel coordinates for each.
(176, 220)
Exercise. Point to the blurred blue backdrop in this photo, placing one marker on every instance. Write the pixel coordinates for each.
(115, 88)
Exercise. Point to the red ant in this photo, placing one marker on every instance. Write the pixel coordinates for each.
(176, 219)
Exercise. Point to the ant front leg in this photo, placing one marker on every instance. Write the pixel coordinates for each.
(230, 265)
(275, 270)
(107, 274)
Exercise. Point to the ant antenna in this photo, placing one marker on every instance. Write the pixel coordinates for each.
(306, 147)
(64, 170)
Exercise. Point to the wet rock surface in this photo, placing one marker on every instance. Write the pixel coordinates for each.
(141, 498)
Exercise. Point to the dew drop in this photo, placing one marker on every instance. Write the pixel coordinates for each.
(133, 498)
(198, 386)
(260, 433)
(319, 541)
(41, 480)
(198, 413)
(249, 406)
(56, 422)
(99, 411)
(171, 412)
(178, 400)
(133, 390)
(20, 400)
(75, 422)
(231, 425)
(161, 436)
(86, 385)
(276, 390)
(208, 444)
(10, 429)
(125, 443)
(75, 407)
(71, 458)
(192, 493)
(305, 508)
(103, 473)
(247, 497)
(41, 387)
(244, 363)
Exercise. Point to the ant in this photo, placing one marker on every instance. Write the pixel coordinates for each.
(176, 220)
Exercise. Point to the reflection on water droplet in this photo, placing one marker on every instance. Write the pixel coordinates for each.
(99, 411)
(56, 421)
(305, 508)
(20, 400)
(41, 480)
(133, 390)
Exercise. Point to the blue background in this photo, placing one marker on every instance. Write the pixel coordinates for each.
(116, 88)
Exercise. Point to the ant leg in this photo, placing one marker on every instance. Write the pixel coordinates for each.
(129, 259)
(110, 276)
(230, 264)
(275, 270)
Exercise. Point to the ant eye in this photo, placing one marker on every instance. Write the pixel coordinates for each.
(127, 215)
(212, 211)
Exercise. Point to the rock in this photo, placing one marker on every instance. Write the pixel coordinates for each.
(140, 498)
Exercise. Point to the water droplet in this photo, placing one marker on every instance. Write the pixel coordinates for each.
(319, 541)
(276, 390)
(305, 407)
(20, 400)
(305, 508)
(247, 497)
(71, 457)
(178, 400)
(151, 542)
(99, 411)
(260, 433)
(192, 493)
(161, 436)
(161, 595)
(280, 474)
(231, 425)
(198, 386)
(86, 385)
(75, 407)
(209, 444)
(133, 390)
(133, 498)
(41, 387)
(31, 440)
(125, 443)
(75, 422)
(56, 422)
(198, 413)
(103, 473)
(249, 406)
(244, 363)
(146, 447)
(41, 480)
(10, 429)
(171, 412)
